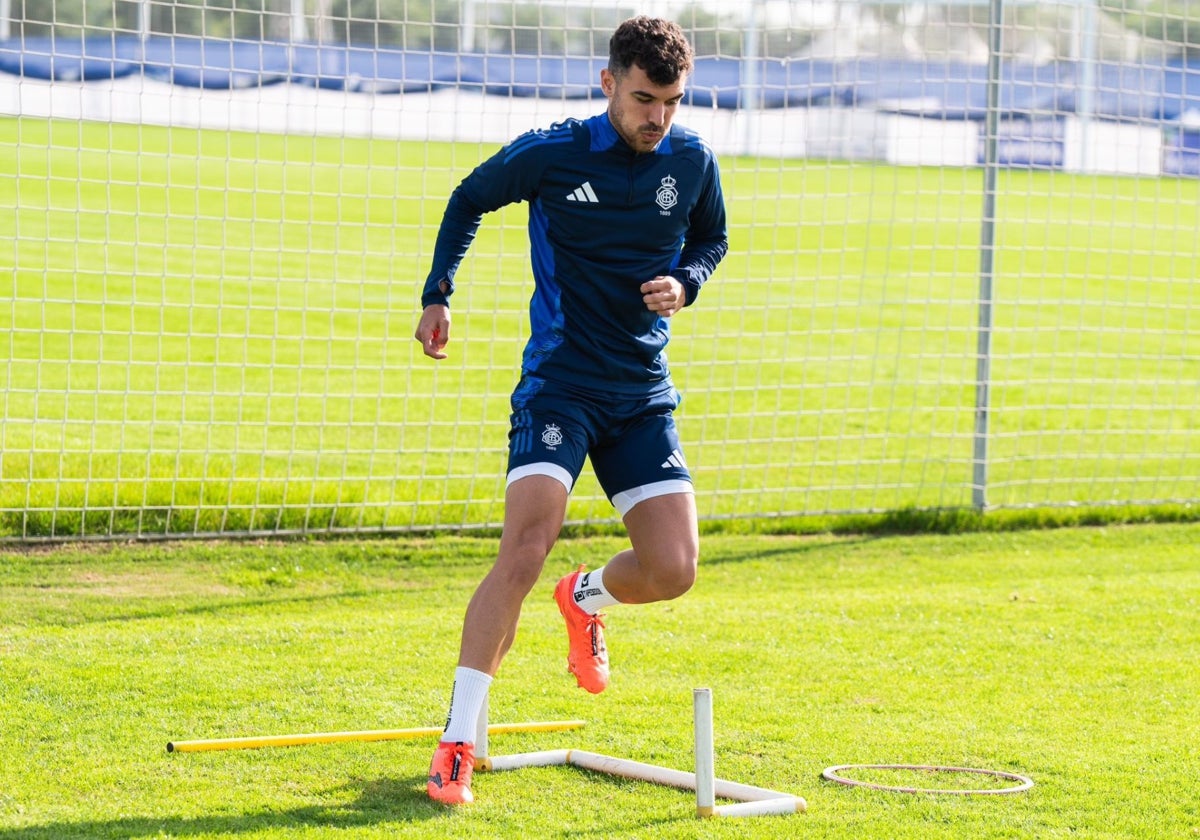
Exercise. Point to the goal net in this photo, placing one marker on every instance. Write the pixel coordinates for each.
(962, 275)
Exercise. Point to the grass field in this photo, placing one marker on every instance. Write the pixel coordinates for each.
(1065, 655)
(211, 332)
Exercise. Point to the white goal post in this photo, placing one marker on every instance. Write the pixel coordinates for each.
(965, 238)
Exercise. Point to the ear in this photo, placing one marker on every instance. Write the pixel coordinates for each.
(608, 82)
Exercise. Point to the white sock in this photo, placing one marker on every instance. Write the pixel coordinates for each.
(466, 699)
(590, 594)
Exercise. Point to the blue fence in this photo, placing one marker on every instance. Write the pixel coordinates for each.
(949, 90)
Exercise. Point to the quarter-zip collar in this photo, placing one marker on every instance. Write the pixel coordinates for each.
(606, 138)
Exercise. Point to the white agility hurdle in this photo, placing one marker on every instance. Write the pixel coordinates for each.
(749, 801)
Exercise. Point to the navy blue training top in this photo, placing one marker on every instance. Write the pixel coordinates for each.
(602, 221)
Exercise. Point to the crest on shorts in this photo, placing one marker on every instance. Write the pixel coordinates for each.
(667, 196)
(553, 436)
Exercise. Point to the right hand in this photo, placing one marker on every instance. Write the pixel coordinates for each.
(433, 330)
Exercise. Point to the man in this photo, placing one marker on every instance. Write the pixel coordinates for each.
(626, 222)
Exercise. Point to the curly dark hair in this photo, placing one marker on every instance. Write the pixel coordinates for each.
(658, 46)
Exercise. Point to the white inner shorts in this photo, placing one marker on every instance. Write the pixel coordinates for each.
(623, 501)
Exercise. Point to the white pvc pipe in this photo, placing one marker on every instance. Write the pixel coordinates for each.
(629, 769)
(749, 800)
(548, 758)
(746, 793)
(481, 732)
(705, 767)
(762, 808)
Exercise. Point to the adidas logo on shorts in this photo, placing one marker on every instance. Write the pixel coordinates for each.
(676, 460)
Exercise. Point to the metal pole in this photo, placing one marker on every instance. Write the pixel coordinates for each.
(5, 19)
(466, 27)
(750, 98)
(143, 20)
(297, 23)
(1085, 102)
(987, 256)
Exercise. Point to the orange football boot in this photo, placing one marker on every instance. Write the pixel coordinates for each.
(450, 773)
(587, 657)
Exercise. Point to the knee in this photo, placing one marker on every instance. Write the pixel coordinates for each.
(675, 577)
(520, 562)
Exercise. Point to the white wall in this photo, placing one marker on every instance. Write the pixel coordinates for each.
(838, 133)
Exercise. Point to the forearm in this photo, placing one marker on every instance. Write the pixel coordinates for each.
(697, 262)
(459, 225)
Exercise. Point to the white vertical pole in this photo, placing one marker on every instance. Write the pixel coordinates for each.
(481, 732)
(705, 769)
(987, 264)
(466, 27)
(1085, 100)
(5, 19)
(297, 25)
(143, 20)
(750, 95)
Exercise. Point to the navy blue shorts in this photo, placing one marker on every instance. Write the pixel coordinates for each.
(632, 442)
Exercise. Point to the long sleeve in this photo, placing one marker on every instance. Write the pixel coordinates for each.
(459, 225)
(505, 178)
(707, 239)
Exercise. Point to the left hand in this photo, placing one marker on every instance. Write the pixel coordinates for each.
(664, 295)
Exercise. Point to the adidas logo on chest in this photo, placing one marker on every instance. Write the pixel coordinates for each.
(584, 194)
(666, 195)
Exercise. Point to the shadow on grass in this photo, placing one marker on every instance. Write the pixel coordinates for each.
(380, 801)
(791, 549)
(110, 610)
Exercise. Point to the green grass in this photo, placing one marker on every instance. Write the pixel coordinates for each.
(211, 332)
(1065, 655)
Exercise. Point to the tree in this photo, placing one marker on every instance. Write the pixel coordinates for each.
(1176, 23)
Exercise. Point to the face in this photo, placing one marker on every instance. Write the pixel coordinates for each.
(640, 110)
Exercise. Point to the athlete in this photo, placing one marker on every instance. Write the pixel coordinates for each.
(626, 223)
